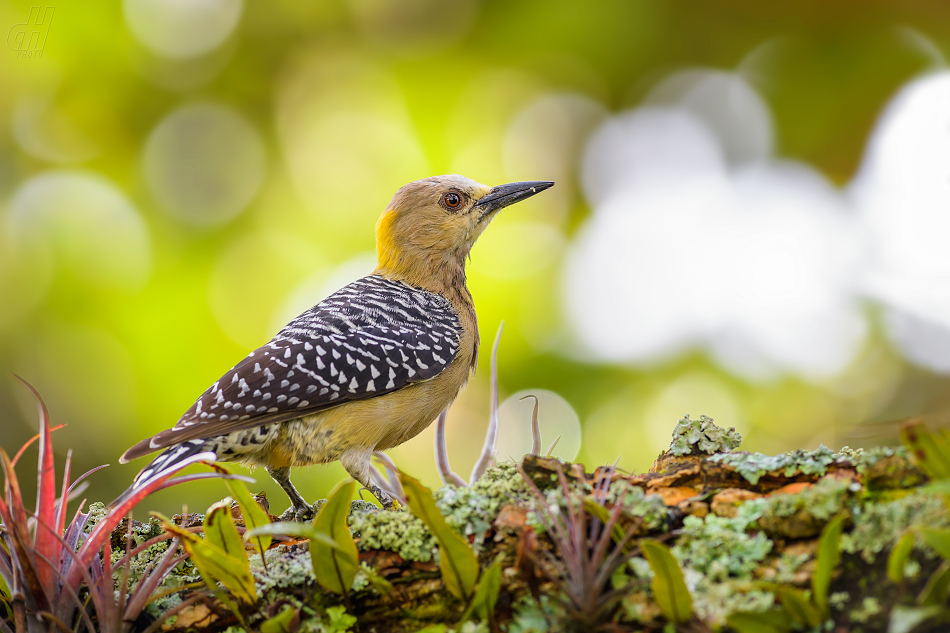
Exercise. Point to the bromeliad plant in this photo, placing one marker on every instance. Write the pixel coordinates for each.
(589, 546)
(46, 557)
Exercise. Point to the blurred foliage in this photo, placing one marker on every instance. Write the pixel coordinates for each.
(163, 210)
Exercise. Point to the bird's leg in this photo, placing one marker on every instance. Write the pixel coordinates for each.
(357, 464)
(300, 510)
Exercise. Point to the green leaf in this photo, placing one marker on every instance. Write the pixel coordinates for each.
(301, 530)
(798, 607)
(4, 590)
(220, 531)
(280, 623)
(603, 514)
(335, 557)
(931, 450)
(380, 584)
(214, 563)
(826, 560)
(339, 620)
(458, 562)
(897, 560)
(486, 594)
(939, 540)
(937, 587)
(669, 587)
(905, 619)
(936, 487)
(773, 621)
(254, 515)
(286, 528)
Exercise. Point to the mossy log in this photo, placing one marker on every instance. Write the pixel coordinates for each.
(737, 523)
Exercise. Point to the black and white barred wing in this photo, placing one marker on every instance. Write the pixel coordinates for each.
(371, 338)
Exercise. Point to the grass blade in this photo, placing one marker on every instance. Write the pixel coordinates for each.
(897, 560)
(935, 591)
(826, 560)
(254, 515)
(669, 587)
(932, 454)
(335, 563)
(214, 563)
(456, 559)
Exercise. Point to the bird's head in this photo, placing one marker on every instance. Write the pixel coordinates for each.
(431, 224)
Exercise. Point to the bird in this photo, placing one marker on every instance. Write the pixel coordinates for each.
(363, 370)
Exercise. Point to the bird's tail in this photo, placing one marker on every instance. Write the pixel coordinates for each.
(170, 460)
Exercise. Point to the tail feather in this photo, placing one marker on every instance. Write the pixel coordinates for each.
(170, 460)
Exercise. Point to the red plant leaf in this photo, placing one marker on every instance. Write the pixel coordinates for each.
(64, 496)
(101, 533)
(13, 497)
(46, 544)
(17, 527)
(30, 441)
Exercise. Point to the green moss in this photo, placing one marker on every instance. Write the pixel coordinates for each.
(702, 436)
(335, 620)
(720, 548)
(398, 532)
(636, 503)
(714, 601)
(864, 458)
(753, 466)
(839, 600)
(719, 556)
(471, 510)
(97, 511)
(870, 608)
(284, 569)
(877, 526)
(822, 501)
(787, 565)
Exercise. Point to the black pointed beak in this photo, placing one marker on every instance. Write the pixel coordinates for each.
(504, 195)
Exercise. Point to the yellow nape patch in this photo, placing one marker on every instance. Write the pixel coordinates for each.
(386, 248)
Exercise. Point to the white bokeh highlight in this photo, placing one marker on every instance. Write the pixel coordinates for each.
(85, 225)
(698, 238)
(556, 418)
(903, 193)
(204, 163)
(182, 29)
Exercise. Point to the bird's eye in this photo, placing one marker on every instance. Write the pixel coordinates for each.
(451, 200)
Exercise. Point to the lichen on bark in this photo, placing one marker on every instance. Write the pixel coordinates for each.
(736, 522)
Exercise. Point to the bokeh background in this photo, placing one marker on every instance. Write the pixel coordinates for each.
(751, 218)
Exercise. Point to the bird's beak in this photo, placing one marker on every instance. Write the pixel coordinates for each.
(503, 195)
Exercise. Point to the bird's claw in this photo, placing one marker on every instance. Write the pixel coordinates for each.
(300, 515)
(392, 505)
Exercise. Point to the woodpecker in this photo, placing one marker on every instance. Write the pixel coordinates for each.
(364, 370)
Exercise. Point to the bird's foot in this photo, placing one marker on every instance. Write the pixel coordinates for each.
(384, 498)
(300, 514)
